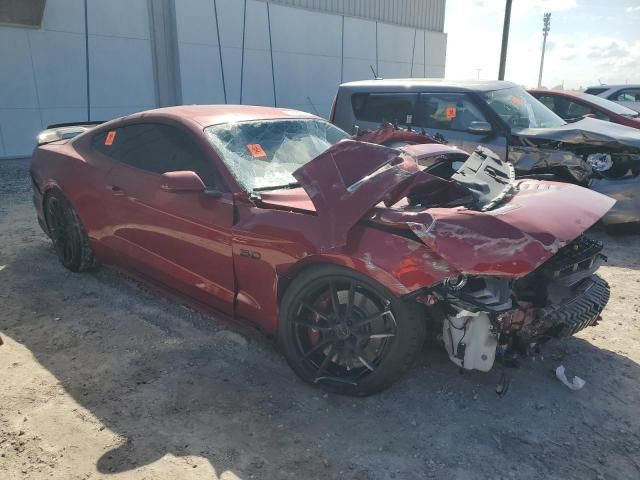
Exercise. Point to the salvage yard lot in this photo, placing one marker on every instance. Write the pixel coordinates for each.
(103, 378)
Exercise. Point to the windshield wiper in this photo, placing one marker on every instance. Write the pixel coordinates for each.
(277, 187)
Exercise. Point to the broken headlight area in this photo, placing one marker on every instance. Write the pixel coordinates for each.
(614, 165)
(600, 162)
(574, 163)
(482, 315)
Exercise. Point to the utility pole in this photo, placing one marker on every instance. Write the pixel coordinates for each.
(505, 39)
(546, 19)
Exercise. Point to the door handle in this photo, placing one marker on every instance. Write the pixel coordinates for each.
(116, 190)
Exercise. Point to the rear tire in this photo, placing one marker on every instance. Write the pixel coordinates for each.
(347, 333)
(69, 237)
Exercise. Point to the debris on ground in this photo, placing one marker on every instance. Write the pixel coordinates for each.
(576, 383)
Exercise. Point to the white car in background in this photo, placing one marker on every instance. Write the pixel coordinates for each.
(627, 95)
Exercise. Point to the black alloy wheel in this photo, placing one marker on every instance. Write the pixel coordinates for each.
(347, 333)
(69, 238)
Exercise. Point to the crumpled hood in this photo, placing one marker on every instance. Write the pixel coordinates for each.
(589, 131)
(348, 180)
(512, 240)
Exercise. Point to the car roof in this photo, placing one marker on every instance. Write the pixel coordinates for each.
(619, 85)
(403, 84)
(563, 93)
(206, 115)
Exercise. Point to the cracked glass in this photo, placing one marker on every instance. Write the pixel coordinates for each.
(263, 154)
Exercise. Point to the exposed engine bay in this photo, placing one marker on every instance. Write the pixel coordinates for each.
(482, 315)
(485, 316)
(513, 270)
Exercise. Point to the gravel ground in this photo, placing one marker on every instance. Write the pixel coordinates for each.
(103, 378)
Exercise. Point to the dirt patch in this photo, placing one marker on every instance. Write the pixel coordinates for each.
(102, 377)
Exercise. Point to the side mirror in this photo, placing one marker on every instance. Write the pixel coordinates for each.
(182, 181)
(480, 128)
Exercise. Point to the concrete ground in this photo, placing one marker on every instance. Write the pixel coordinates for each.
(103, 378)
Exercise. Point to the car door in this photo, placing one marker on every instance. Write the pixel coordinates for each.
(629, 97)
(182, 240)
(452, 117)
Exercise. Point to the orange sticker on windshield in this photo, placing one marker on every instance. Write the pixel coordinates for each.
(517, 101)
(256, 150)
(451, 113)
(111, 136)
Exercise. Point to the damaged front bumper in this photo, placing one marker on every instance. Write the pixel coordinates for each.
(580, 312)
(560, 298)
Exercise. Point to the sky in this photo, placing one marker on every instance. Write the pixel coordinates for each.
(590, 42)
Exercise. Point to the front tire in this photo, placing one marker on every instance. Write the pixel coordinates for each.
(347, 333)
(67, 234)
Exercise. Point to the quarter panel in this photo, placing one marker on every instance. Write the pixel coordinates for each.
(80, 179)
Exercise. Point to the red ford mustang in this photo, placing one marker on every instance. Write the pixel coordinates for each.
(345, 250)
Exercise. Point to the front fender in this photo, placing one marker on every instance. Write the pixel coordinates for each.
(401, 264)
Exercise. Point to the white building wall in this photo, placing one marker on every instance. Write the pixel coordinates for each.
(42, 76)
(307, 53)
(43, 71)
(311, 55)
(120, 62)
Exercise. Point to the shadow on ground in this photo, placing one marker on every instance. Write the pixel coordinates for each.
(169, 380)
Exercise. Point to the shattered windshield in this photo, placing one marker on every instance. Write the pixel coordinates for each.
(521, 110)
(262, 154)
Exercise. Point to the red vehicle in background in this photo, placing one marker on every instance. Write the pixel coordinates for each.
(344, 250)
(574, 106)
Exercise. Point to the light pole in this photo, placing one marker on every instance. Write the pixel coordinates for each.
(505, 39)
(546, 19)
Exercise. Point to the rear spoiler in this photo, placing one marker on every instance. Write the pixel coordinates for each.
(64, 131)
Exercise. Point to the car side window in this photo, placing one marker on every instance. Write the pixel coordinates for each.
(384, 107)
(575, 110)
(626, 95)
(446, 111)
(548, 101)
(568, 109)
(156, 148)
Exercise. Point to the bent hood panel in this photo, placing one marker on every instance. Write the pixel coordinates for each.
(538, 218)
(349, 179)
(516, 238)
(589, 131)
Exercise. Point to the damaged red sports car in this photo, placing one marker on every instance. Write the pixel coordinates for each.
(348, 252)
